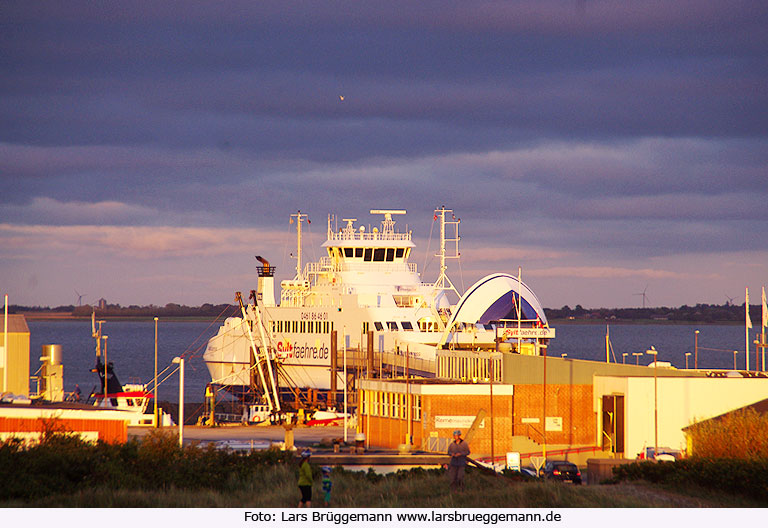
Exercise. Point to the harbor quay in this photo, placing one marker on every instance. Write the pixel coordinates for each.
(241, 437)
(261, 436)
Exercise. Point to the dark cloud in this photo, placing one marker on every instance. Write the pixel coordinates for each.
(577, 127)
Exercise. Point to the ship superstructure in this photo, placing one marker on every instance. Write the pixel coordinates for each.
(366, 290)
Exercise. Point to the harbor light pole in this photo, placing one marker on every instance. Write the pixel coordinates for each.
(637, 357)
(180, 362)
(686, 359)
(734, 358)
(696, 350)
(652, 351)
(624, 358)
(157, 414)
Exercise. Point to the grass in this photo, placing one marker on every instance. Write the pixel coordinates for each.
(275, 486)
(63, 471)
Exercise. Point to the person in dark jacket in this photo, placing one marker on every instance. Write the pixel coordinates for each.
(458, 450)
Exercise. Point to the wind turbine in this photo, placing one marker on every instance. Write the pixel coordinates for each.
(79, 298)
(730, 300)
(643, 294)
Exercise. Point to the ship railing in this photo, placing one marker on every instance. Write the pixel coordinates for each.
(324, 265)
(368, 236)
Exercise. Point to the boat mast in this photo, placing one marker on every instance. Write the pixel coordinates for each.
(299, 219)
(443, 282)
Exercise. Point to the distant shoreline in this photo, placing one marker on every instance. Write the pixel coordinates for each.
(66, 316)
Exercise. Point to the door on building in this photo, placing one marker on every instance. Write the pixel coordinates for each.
(613, 423)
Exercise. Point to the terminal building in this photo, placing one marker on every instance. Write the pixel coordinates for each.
(517, 399)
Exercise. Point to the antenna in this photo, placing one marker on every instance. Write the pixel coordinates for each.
(443, 282)
(300, 217)
(388, 225)
(643, 294)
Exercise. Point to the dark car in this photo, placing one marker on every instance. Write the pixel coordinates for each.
(562, 471)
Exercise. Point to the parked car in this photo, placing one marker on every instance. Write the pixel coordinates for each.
(563, 471)
(666, 454)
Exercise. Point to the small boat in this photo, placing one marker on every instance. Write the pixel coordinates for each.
(133, 398)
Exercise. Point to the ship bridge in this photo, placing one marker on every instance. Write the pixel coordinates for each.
(356, 245)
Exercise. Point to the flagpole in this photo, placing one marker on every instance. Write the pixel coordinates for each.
(762, 327)
(747, 325)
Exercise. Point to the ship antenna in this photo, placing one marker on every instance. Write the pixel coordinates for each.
(443, 282)
(299, 219)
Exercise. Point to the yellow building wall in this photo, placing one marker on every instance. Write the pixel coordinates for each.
(18, 363)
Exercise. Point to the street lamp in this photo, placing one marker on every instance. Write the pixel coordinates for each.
(637, 357)
(624, 357)
(180, 362)
(652, 351)
(696, 349)
(686, 359)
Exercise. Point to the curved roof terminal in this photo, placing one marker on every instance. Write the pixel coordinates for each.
(493, 298)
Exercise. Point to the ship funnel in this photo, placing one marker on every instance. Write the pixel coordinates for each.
(266, 286)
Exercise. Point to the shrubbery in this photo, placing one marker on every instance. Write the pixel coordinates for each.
(63, 463)
(740, 434)
(736, 476)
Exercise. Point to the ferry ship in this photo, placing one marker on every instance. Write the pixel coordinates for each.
(366, 291)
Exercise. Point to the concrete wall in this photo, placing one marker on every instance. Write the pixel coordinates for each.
(681, 401)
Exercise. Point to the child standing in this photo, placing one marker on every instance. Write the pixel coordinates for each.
(327, 485)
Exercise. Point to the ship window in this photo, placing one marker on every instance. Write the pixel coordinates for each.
(399, 252)
(129, 401)
(366, 325)
(379, 326)
(378, 254)
(392, 325)
(488, 326)
(407, 325)
(368, 255)
(390, 254)
(358, 252)
(349, 252)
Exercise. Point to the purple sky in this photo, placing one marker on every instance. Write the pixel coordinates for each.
(148, 152)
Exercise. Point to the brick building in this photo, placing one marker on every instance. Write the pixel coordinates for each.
(590, 406)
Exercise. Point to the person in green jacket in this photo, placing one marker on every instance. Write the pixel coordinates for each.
(305, 480)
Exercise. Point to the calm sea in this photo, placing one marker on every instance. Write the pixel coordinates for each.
(130, 346)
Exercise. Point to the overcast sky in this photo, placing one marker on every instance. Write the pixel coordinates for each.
(148, 150)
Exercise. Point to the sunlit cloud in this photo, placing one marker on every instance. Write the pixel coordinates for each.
(134, 241)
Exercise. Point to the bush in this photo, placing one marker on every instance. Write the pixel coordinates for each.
(62, 463)
(737, 476)
(740, 434)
